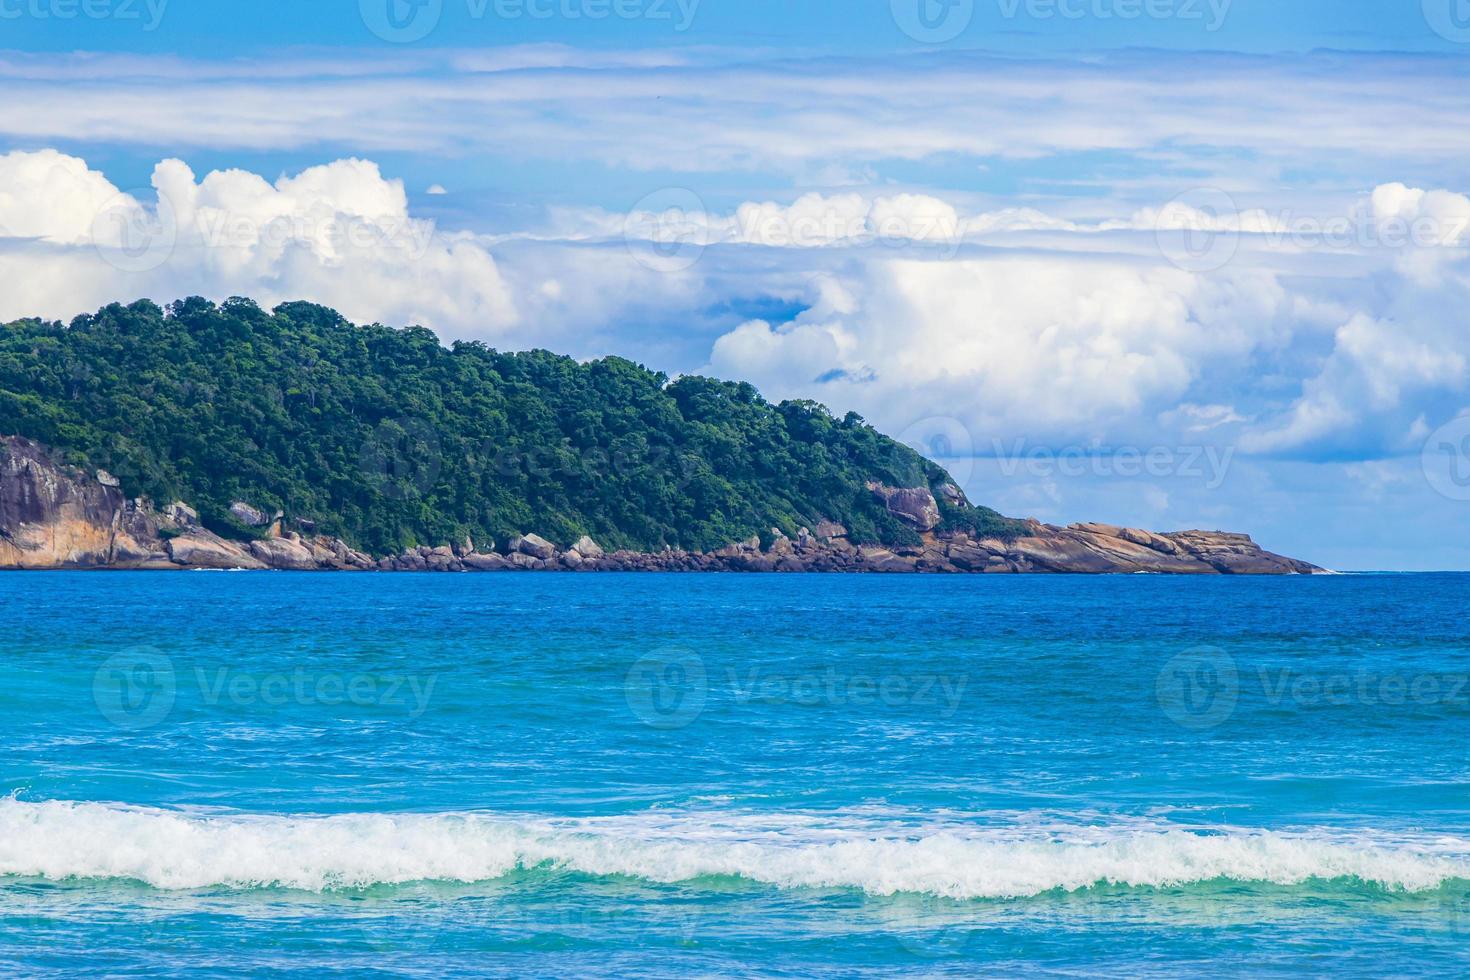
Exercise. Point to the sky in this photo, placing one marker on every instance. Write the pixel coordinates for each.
(1160, 263)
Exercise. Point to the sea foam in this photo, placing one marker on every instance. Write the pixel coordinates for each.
(171, 849)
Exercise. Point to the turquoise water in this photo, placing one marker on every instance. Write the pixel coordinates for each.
(651, 775)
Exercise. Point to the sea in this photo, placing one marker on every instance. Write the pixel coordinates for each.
(270, 774)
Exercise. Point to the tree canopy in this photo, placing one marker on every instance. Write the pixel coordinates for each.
(389, 439)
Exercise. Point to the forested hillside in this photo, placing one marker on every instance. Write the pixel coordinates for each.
(388, 438)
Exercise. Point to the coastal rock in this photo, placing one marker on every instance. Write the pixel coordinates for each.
(883, 560)
(248, 515)
(284, 554)
(533, 545)
(486, 563)
(1237, 554)
(829, 531)
(914, 506)
(205, 550)
(51, 517)
(55, 516)
(970, 557)
(954, 495)
(180, 514)
(587, 548)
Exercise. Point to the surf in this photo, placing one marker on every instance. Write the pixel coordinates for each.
(956, 859)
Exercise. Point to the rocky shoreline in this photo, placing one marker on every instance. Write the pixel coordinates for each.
(57, 517)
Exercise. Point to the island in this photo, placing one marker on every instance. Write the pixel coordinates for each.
(223, 436)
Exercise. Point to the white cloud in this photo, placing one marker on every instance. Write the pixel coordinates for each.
(1075, 333)
(339, 234)
(1246, 119)
(1408, 353)
(1036, 346)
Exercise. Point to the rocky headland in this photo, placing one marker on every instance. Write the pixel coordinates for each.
(54, 516)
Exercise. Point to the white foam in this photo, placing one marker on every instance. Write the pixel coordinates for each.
(184, 850)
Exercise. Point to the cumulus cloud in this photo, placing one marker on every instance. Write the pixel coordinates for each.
(1045, 347)
(1020, 323)
(340, 234)
(1405, 356)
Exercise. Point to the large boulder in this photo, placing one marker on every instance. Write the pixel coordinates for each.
(587, 548)
(883, 560)
(205, 550)
(249, 516)
(533, 545)
(830, 531)
(915, 506)
(286, 555)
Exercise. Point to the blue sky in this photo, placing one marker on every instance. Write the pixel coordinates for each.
(837, 26)
(1169, 263)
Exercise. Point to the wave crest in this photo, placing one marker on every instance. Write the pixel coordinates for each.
(169, 849)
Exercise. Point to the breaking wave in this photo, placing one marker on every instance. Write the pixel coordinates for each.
(174, 849)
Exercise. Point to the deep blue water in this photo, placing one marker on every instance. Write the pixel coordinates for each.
(656, 775)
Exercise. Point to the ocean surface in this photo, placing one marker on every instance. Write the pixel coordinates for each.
(235, 774)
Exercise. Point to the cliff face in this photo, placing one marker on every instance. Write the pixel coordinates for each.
(53, 516)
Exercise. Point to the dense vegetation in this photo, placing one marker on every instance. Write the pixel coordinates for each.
(389, 439)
